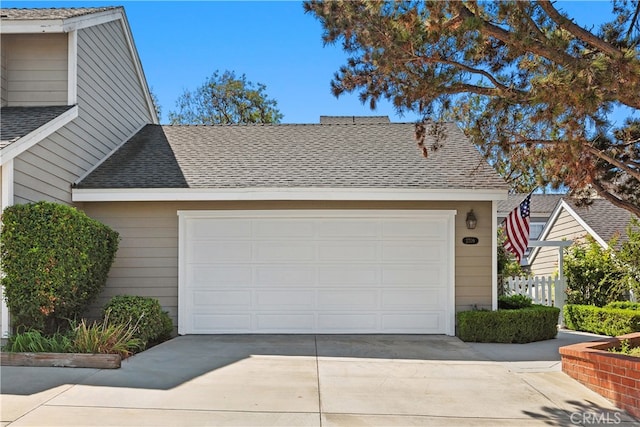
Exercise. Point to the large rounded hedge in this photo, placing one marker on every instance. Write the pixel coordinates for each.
(55, 261)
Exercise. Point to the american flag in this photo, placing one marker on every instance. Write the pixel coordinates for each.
(517, 229)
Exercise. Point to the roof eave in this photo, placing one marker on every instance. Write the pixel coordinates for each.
(26, 26)
(21, 145)
(239, 194)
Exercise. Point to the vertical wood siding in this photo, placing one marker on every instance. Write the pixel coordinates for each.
(147, 261)
(565, 227)
(34, 69)
(111, 107)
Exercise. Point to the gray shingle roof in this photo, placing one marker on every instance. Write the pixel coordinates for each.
(292, 156)
(50, 13)
(16, 122)
(603, 217)
(542, 205)
(351, 120)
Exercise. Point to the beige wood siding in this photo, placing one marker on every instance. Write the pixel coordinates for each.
(3, 72)
(564, 228)
(111, 107)
(35, 66)
(110, 96)
(147, 261)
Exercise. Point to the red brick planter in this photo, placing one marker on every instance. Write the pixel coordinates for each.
(613, 375)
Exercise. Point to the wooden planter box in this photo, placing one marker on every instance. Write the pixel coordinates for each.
(615, 376)
(66, 360)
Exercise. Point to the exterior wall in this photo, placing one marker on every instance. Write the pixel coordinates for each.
(565, 228)
(34, 69)
(3, 73)
(111, 107)
(147, 260)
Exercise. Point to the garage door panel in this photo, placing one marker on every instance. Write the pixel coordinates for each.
(273, 323)
(290, 251)
(207, 251)
(284, 275)
(220, 275)
(225, 323)
(428, 275)
(414, 229)
(357, 229)
(208, 301)
(348, 322)
(283, 229)
(355, 300)
(417, 322)
(284, 300)
(413, 299)
(316, 272)
(348, 251)
(354, 275)
(230, 228)
(412, 251)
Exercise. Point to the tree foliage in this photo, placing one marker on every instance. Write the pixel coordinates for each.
(226, 99)
(530, 86)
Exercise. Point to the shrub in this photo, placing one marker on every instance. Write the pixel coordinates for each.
(152, 325)
(593, 278)
(55, 260)
(512, 302)
(604, 321)
(535, 323)
(106, 337)
(627, 305)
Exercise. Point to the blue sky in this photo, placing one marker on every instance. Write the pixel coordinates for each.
(181, 43)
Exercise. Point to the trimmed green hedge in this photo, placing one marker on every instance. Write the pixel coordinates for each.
(535, 323)
(624, 304)
(608, 320)
(55, 261)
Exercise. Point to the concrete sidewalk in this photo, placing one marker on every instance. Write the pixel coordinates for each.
(307, 380)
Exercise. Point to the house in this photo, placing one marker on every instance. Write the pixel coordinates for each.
(72, 90)
(601, 220)
(329, 228)
(336, 227)
(542, 206)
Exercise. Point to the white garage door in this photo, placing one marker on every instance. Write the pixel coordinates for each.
(316, 272)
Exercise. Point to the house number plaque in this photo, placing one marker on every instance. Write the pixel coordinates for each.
(470, 240)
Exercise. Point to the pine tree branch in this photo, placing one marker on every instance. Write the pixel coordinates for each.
(613, 161)
(534, 46)
(506, 90)
(578, 31)
(617, 201)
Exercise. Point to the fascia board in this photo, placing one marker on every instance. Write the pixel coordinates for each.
(86, 21)
(13, 150)
(340, 194)
(32, 26)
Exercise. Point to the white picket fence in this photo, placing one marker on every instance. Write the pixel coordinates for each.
(542, 290)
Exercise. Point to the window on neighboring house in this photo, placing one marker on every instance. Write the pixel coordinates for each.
(535, 228)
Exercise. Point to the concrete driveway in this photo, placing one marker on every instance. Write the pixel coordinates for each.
(307, 380)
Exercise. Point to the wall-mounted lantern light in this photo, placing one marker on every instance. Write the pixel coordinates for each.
(471, 220)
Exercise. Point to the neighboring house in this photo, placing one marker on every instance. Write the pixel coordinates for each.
(601, 220)
(542, 206)
(337, 227)
(72, 91)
